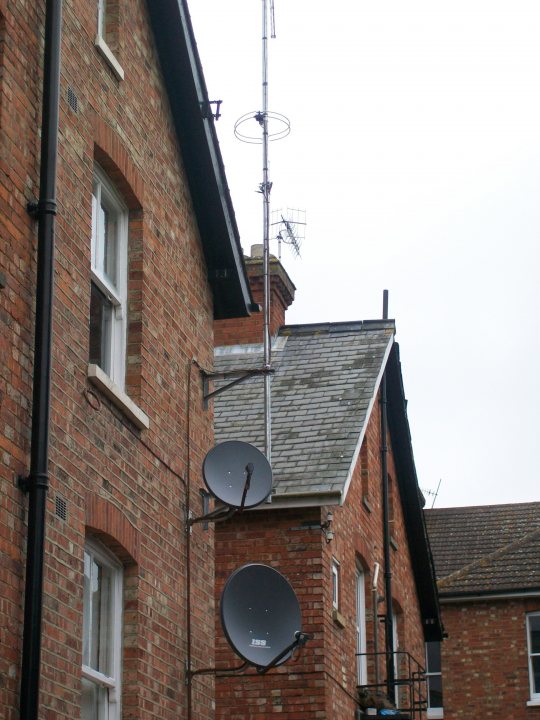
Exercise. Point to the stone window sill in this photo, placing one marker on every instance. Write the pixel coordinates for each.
(533, 703)
(338, 618)
(433, 713)
(118, 397)
(106, 52)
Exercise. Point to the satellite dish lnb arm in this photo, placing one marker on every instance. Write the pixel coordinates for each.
(249, 472)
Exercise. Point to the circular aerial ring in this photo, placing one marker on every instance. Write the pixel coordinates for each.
(281, 124)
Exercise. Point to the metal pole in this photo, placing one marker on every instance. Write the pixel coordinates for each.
(389, 620)
(37, 482)
(266, 188)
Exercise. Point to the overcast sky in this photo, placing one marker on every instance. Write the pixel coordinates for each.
(415, 152)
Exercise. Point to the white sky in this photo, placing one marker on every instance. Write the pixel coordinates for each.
(415, 152)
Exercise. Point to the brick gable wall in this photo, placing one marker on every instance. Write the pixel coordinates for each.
(127, 486)
(322, 682)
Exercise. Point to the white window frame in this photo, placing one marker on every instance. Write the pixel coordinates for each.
(361, 659)
(101, 42)
(103, 188)
(101, 18)
(433, 713)
(335, 584)
(534, 696)
(110, 708)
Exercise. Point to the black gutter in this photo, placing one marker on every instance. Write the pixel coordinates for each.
(201, 155)
(37, 483)
(389, 620)
(412, 501)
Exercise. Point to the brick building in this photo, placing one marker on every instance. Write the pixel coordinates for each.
(324, 526)
(487, 560)
(147, 255)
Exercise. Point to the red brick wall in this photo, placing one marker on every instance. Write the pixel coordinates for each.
(19, 145)
(323, 682)
(296, 689)
(484, 660)
(359, 539)
(126, 485)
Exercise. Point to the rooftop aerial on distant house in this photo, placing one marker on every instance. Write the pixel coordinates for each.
(486, 549)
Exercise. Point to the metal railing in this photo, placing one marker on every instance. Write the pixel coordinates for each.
(410, 684)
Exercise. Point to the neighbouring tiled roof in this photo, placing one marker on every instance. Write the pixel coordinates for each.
(326, 378)
(486, 549)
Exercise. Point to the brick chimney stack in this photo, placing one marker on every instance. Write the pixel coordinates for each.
(239, 331)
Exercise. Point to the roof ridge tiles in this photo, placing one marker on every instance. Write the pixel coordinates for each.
(332, 327)
(454, 510)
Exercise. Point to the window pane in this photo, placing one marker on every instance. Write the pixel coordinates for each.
(108, 234)
(534, 629)
(94, 223)
(104, 646)
(100, 636)
(93, 701)
(433, 656)
(86, 609)
(435, 691)
(97, 616)
(335, 585)
(101, 310)
(535, 662)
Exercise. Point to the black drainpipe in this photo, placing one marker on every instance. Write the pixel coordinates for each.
(37, 482)
(389, 620)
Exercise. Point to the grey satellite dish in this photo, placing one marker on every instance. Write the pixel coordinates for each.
(237, 474)
(260, 615)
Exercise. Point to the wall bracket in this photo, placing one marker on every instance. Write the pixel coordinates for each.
(238, 375)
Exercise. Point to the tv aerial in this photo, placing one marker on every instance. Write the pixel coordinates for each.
(238, 475)
(290, 228)
(261, 619)
(433, 494)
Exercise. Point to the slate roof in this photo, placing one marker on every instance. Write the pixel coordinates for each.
(486, 549)
(325, 382)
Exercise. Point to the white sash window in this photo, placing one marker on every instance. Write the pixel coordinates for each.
(102, 635)
(108, 299)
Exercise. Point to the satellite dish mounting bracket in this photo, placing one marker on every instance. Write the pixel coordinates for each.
(300, 639)
(239, 375)
(224, 513)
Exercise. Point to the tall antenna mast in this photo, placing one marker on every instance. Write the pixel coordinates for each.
(266, 187)
(283, 127)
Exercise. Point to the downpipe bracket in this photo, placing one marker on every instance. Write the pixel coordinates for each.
(37, 207)
(39, 481)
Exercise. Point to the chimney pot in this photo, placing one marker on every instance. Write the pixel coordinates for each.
(257, 251)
